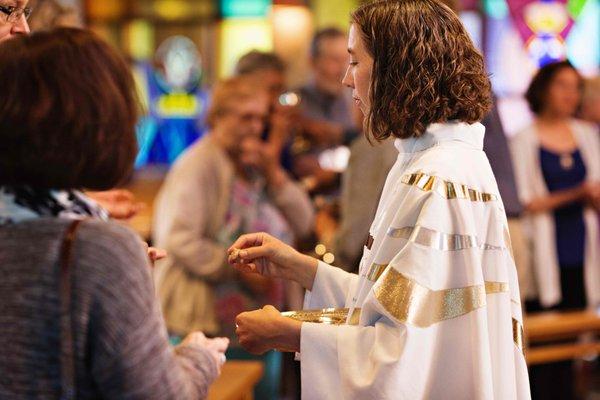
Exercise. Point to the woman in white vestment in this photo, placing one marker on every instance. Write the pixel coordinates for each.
(434, 312)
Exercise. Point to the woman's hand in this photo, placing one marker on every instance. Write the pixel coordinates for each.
(592, 193)
(263, 254)
(120, 203)
(263, 158)
(265, 329)
(154, 254)
(216, 347)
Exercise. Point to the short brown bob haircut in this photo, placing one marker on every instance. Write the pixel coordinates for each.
(68, 112)
(537, 92)
(426, 68)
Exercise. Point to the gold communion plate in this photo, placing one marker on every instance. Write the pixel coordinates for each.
(328, 316)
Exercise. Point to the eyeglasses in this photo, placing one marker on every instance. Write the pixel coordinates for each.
(13, 14)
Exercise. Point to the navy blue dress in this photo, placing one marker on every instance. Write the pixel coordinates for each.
(555, 380)
(570, 226)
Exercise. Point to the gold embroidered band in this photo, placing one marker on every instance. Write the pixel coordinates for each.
(518, 334)
(439, 240)
(447, 189)
(495, 287)
(414, 304)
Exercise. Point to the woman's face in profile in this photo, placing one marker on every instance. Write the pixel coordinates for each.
(358, 74)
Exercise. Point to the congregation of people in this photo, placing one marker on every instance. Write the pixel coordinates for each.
(155, 317)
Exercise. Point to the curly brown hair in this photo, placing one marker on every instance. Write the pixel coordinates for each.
(425, 68)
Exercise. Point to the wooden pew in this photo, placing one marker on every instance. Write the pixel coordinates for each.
(237, 381)
(543, 328)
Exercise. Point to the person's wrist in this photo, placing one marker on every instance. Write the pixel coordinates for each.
(305, 270)
(289, 335)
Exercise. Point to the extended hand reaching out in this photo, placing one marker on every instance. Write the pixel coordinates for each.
(263, 254)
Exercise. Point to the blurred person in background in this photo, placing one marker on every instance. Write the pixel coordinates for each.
(326, 110)
(58, 137)
(228, 183)
(326, 104)
(51, 14)
(268, 71)
(558, 178)
(590, 103)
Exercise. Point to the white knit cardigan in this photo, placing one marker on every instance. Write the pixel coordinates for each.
(540, 227)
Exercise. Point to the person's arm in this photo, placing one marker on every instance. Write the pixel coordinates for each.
(413, 341)
(130, 356)
(556, 200)
(436, 322)
(260, 253)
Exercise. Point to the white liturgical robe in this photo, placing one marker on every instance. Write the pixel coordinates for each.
(434, 312)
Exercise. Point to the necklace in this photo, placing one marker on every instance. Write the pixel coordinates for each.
(566, 161)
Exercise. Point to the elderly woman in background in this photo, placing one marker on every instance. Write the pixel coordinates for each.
(227, 184)
(78, 313)
(558, 178)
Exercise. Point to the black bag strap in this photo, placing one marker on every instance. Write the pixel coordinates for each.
(67, 347)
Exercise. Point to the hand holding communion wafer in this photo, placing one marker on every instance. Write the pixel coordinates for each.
(263, 254)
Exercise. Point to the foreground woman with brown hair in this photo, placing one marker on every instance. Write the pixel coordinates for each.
(434, 312)
(78, 313)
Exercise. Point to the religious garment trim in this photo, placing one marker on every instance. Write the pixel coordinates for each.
(508, 242)
(414, 304)
(518, 335)
(446, 189)
(439, 240)
(375, 271)
(495, 287)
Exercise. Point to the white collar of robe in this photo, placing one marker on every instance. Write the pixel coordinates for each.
(472, 134)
